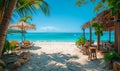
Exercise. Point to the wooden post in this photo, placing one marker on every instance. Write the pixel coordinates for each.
(98, 42)
(118, 31)
(90, 35)
(109, 35)
(84, 33)
(117, 17)
(115, 36)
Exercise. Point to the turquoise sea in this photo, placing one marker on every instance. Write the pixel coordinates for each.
(72, 37)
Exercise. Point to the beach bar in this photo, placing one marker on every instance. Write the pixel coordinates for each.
(108, 22)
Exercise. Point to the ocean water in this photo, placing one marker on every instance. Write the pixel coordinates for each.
(71, 37)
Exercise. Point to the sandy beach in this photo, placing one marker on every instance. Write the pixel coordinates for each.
(59, 56)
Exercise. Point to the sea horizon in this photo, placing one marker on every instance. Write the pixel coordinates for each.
(56, 36)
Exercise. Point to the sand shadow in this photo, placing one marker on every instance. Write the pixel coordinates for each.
(56, 62)
(35, 48)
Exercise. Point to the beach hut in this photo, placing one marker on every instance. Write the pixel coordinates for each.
(23, 26)
(104, 18)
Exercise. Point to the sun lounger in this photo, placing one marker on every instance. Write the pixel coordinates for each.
(26, 44)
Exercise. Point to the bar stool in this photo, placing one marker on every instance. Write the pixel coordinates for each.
(92, 53)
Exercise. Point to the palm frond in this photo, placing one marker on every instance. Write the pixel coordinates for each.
(80, 2)
(32, 6)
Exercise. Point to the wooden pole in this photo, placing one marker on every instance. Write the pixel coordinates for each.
(84, 33)
(109, 35)
(98, 42)
(118, 36)
(90, 35)
(115, 36)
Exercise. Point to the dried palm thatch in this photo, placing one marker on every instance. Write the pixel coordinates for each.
(105, 18)
(23, 26)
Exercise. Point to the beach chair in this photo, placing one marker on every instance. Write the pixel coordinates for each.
(26, 44)
(85, 48)
(92, 53)
(16, 44)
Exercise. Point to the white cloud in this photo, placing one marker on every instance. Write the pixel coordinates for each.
(48, 28)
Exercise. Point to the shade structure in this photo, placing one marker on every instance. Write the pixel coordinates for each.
(105, 18)
(23, 26)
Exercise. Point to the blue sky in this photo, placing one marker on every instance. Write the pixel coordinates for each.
(64, 17)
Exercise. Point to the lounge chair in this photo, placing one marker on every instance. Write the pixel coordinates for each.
(16, 43)
(26, 44)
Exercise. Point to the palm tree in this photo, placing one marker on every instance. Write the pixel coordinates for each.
(8, 8)
(25, 19)
(98, 31)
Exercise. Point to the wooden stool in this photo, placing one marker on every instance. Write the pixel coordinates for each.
(92, 53)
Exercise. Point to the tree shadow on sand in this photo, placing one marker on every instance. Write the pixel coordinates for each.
(57, 62)
(35, 48)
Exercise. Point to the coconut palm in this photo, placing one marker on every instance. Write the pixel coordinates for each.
(98, 31)
(25, 6)
(8, 7)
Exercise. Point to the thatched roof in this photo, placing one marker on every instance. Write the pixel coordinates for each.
(105, 18)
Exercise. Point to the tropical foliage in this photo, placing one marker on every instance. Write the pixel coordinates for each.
(7, 7)
(112, 56)
(32, 6)
(102, 5)
(98, 29)
(26, 19)
(8, 47)
(25, 6)
(80, 41)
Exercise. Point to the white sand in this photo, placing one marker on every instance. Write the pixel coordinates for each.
(59, 56)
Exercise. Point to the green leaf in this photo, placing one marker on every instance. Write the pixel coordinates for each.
(98, 6)
(80, 2)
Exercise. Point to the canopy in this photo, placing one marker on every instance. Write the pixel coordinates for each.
(23, 26)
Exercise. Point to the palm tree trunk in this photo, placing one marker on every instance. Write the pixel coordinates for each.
(1, 15)
(2, 10)
(98, 42)
(5, 22)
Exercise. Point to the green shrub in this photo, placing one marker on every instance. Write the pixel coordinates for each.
(8, 46)
(80, 41)
(111, 56)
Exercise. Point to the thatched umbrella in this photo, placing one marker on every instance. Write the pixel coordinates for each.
(23, 26)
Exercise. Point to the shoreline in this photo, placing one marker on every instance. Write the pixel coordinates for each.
(53, 41)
